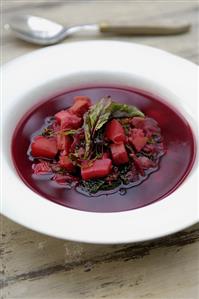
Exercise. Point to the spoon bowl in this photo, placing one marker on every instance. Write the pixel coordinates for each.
(42, 31)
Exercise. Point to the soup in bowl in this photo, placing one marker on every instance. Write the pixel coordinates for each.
(142, 151)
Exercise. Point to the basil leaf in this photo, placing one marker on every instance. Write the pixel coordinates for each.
(94, 119)
(101, 113)
(124, 110)
(87, 133)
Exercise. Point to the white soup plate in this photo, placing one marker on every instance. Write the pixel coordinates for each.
(46, 72)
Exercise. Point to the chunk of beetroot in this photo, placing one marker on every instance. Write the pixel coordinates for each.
(42, 168)
(64, 143)
(73, 122)
(138, 122)
(66, 179)
(81, 105)
(61, 115)
(44, 147)
(99, 168)
(106, 155)
(68, 120)
(115, 132)
(66, 163)
(119, 153)
(138, 139)
(60, 142)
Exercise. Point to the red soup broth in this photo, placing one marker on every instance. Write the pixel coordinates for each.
(174, 167)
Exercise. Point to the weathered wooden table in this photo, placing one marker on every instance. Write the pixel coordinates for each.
(36, 266)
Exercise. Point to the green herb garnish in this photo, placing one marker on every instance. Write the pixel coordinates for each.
(94, 119)
(124, 110)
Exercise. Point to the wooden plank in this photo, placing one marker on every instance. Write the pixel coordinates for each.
(45, 252)
(157, 269)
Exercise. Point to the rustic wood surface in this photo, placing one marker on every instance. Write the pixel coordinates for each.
(35, 266)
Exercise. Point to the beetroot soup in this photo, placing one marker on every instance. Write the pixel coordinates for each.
(103, 149)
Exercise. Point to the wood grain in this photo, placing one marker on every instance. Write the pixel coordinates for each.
(35, 266)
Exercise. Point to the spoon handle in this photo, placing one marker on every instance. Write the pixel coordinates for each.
(144, 30)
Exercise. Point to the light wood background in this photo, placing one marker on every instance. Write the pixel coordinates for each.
(35, 266)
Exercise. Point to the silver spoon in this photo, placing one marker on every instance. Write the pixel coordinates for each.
(45, 32)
